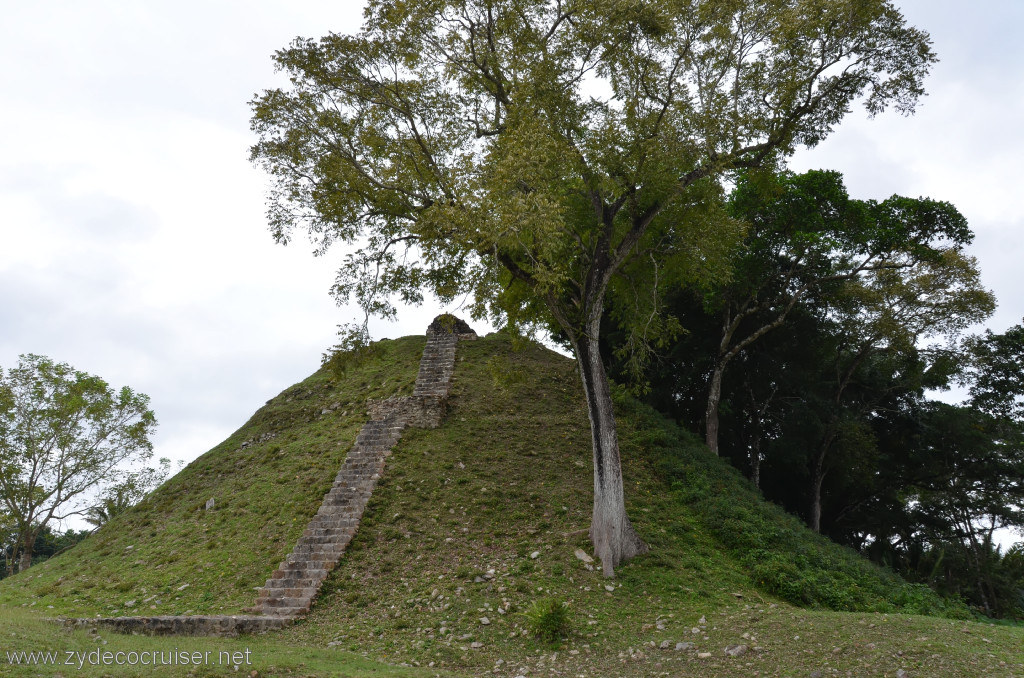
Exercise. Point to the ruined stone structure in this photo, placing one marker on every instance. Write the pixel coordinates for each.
(295, 583)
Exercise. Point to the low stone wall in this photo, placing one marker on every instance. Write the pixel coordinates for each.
(221, 626)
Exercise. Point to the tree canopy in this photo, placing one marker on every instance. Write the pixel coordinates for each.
(63, 433)
(539, 157)
(841, 315)
(805, 239)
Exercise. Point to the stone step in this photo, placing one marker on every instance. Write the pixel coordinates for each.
(317, 561)
(278, 593)
(347, 497)
(291, 583)
(341, 536)
(287, 601)
(296, 580)
(330, 519)
(351, 483)
(362, 454)
(340, 501)
(289, 570)
(370, 458)
(285, 612)
(356, 488)
(328, 522)
(352, 475)
(335, 546)
(273, 597)
(313, 561)
(358, 477)
(357, 465)
(316, 530)
(339, 509)
(319, 551)
(346, 493)
(372, 431)
(337, 526)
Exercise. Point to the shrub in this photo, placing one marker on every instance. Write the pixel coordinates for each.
(548, 619)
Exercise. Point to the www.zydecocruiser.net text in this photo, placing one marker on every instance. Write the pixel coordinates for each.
(98, 657)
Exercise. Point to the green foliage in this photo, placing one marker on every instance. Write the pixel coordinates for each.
(501, 176)
(781, 556)
(995, 372)
(487, 166)
(548, 619)
(353, 347)
(824, 407)
(48, 543)
(63, 433)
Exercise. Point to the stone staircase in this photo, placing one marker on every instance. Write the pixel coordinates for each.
(291, 589)
(293, 586)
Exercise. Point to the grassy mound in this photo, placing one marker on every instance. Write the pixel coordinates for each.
(478, 526)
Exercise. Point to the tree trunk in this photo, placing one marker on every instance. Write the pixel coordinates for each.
(758, 434)
(711, 415)
(980, 554)
(817, 478)
(26, 558)
(612, 534)
(755, 459)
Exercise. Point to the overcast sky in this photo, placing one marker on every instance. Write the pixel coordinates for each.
(134, 243)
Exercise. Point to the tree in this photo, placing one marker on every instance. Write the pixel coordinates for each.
(970, 485)
(883, 317)
(8, 542)
(543, 156)
(806, 236)
(994, 371)
(48, 544)
(63, 433)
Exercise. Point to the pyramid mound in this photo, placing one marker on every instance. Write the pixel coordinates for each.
(474, 520)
